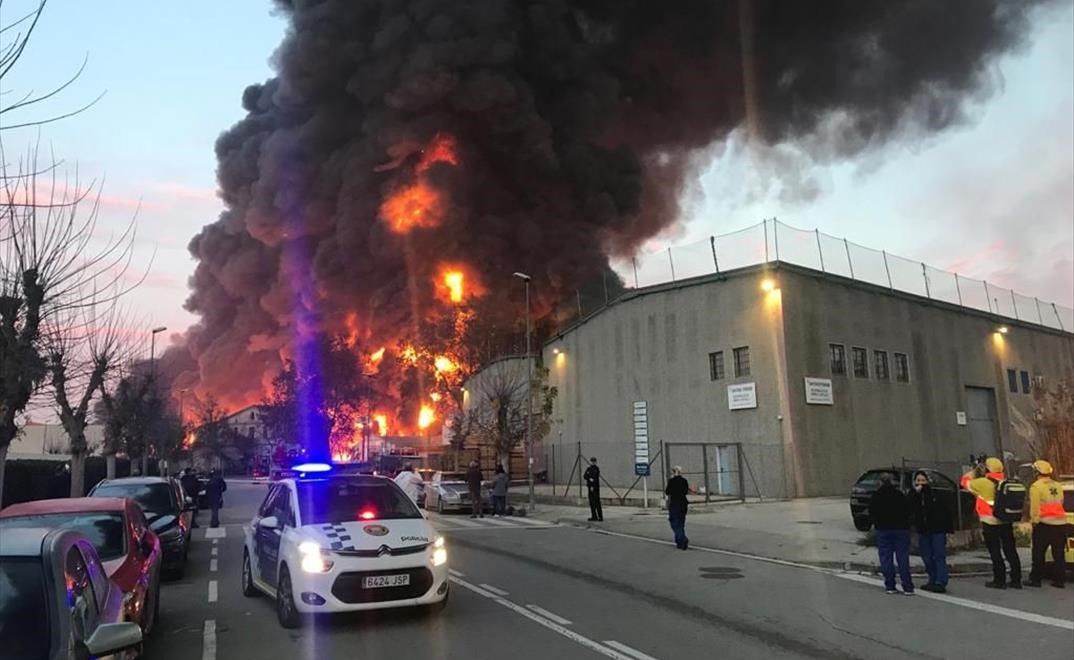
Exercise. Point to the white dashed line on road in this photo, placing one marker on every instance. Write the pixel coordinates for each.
(551, 616)
(492, 589)
(551, 625)
(632, 652)
(214, 550)
(208, 640)
(212, 566)
(456, 573)
(212, 591)
(216, 533)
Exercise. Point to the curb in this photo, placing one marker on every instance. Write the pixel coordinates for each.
(965, 570)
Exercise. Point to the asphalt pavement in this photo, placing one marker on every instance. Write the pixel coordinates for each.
(525, 589)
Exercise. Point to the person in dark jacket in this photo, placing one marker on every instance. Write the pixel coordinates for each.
(499, 492)
(473, 480)
(191, 487)
(676, 491)
(891, 517)
(214, 493)
(933, 523)
(592, 484)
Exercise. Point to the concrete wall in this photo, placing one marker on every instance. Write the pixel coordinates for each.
(37, 438)
(654, 346)
(877, 423)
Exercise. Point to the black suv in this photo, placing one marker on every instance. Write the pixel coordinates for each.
(166, 508)
(946, 488)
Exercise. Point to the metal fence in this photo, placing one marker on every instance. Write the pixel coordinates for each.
(715, 471)
(772, 240)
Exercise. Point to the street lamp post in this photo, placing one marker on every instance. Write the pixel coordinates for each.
(153, 378)
(529, 389)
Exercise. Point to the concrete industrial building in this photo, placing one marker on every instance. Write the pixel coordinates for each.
(725, 359)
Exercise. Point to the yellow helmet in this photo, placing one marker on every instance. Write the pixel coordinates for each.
(1042, 466)
(994, 464)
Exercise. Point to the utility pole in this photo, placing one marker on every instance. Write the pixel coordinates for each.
(529, 389)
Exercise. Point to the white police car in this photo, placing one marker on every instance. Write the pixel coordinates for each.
(341, 544)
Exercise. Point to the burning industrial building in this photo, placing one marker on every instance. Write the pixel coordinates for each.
(410, 155)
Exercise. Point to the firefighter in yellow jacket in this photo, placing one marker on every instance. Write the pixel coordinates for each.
(998, 535)
(1049, 525)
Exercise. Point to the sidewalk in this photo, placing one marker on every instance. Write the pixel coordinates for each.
(814, 531)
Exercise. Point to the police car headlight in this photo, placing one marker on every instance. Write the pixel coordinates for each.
(439, 542)
(439, 556)
(313, 561)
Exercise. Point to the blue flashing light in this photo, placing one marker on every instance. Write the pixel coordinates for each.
(312, 467)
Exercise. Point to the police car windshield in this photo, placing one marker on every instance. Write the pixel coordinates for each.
(341, 500)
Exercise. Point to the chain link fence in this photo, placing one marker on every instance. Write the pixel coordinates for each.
(772, 240)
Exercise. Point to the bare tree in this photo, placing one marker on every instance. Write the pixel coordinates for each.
(1054, 417)
(53, 263)
(80, 350)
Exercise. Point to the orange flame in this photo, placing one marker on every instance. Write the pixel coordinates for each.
(377, 355)
(453, 280)
(426, 417)
(412, 207)
(444, 365)
(382, 424)
(434, 397)
(440, 150)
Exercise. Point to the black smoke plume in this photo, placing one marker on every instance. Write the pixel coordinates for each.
(577, 124)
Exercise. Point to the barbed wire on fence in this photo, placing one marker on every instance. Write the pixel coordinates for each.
(772, 240)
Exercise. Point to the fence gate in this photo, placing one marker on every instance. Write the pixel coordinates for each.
(714, 470)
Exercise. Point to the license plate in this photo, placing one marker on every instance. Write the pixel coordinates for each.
(381, 581)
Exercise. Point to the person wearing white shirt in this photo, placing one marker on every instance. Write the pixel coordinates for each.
(411, 482)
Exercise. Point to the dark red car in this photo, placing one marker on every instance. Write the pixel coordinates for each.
(129, 550)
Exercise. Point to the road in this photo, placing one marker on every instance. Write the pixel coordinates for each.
(528, 591)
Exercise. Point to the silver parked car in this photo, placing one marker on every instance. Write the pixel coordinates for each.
(57, 603)
(448, 491)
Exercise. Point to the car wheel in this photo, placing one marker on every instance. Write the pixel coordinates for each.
(248, 588)
(862, 524)
(286, 612)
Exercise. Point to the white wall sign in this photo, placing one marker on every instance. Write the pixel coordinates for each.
(641, 435)
(818, 391)
(742, 396)
(960, 417)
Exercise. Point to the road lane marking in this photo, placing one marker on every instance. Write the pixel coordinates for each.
(551, 616)
(498, 592)
(208, 640)
(856, 577)
(463, 523)
(534, 522)
(551, 625)
(634, 653)
(212, 566)
(216, 533)
(215, 541)
(973, 604)
(214, 550)
(456, 573)
(212, 591)
(498, 522)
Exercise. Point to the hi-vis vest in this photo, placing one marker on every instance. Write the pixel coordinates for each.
(985, 490)
(1046, 502)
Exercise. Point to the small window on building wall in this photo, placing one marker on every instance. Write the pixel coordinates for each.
(742, 361)
(902, 368)
(861, 362)
(1012, 380)
(716, 365)
(881, 360)
(838, 358)
(1025, 382)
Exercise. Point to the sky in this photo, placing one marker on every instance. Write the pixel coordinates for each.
(992, 199)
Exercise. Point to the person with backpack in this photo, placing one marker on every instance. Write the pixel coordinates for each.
(999, 504)
(1049, 520)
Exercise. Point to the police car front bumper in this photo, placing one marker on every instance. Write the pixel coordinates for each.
(344, 587)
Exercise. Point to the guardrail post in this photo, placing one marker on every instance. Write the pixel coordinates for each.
(925, 276)
(850, 262)
(672, 263)
(887, 270)
(958, 290)
(1014, 304)
(820, 252)
(715, 261)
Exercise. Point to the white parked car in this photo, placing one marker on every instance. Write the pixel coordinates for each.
(342, 544)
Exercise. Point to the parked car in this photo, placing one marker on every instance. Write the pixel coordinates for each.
(166, 510)
(448, 491)
(57, 603)
(945, 487)
(125, 544)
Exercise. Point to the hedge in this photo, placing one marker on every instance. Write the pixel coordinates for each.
(26, 480)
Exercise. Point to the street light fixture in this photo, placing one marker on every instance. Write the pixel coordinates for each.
(529, 389)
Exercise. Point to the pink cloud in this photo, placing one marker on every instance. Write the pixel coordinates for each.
(184, 192)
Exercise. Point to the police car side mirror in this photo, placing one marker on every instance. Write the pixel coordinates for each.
(269, 522)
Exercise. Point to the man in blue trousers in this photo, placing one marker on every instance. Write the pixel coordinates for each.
(676, 491)
(891, 516)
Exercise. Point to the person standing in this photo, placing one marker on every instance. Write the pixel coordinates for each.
(676, 491)
(998, 535)
(214, 492)
(499, 492)
(592, 484)
(1049, 521)
(411, 482)
(891, 516)
(933, 522)
(473, 480)
(191, 488)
